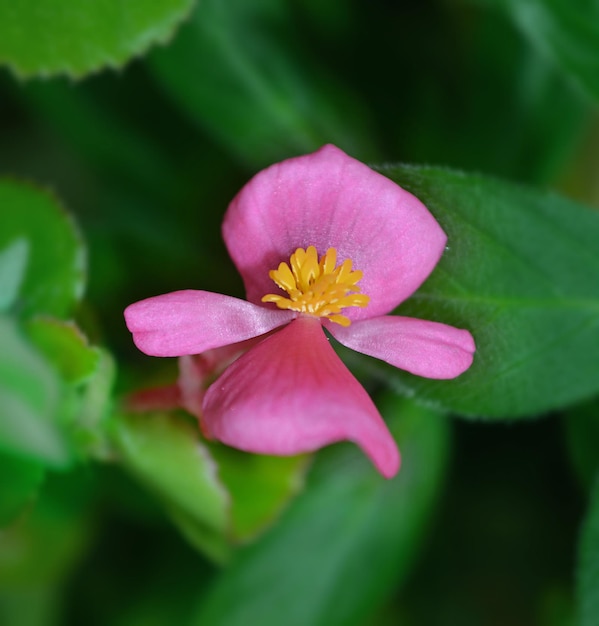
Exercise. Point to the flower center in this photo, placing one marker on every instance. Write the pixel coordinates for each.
(316, 287)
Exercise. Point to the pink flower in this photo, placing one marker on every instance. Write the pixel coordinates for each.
(321, 241)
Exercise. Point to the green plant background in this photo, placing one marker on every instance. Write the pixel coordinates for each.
(125, 130)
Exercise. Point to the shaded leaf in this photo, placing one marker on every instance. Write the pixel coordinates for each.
(54, 277)
(47, 37)
(345, 542)
(520, 273)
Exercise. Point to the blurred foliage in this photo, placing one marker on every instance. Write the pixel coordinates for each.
(113, 517)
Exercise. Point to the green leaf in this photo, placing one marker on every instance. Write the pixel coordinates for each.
(13, 261)
(345, 543)
(216, 495)
(47, 37)
(241, 72)
(65, 346)
(54, 277)
(587, 591)
(25, 477)
(520, 272)
(564, 31)
(259, 485)
(165, 453)
(30, 393)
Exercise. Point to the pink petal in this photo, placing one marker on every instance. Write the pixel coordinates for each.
(328, 199)
(291, 394)
(421, 347)
(197, 371)
(190, 322)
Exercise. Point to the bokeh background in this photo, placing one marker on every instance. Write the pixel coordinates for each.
(145, 149)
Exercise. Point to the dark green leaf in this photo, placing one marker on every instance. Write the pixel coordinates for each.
(588, 565)
(54, 276)
(520, 273)
(345, 542)
(13, 261)
(242, 73)
(47, 37)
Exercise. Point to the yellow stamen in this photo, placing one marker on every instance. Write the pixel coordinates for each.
(316, 287)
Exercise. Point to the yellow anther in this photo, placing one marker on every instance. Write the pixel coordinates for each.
(317, 288)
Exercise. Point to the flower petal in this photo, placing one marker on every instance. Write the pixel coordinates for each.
(290, 394)
(328, 199)
(197, 371)
(190, 322)
(424, 348)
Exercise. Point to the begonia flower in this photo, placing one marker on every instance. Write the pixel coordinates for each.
(322, 242)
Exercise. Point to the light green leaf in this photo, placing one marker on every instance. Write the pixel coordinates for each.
(240, 71)
(65, 346)
(520, 272)
(588, 565)
(259, 485)
(49, 37)
(217, 496)
(13, 261)
(55, 273)
(30, 393)
(345, 543)
(165, 453)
